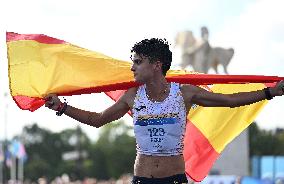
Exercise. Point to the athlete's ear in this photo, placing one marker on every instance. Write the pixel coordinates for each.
(158, 65)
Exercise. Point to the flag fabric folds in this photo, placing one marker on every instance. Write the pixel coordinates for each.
(39, 65)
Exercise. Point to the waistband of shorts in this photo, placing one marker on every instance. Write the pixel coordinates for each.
(175, 179)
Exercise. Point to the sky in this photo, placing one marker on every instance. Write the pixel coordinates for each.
(254, 28)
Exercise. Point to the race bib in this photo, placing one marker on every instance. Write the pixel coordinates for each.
(157, 134)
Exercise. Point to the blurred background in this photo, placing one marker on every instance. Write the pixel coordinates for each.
(243, 37)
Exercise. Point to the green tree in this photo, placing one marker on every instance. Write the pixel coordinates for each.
(80, 143)
(114, 151)
(280, 137)
(45, 150)
(265, 142)
(110, 157)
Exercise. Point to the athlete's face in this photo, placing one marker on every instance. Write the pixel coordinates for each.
(142, 69)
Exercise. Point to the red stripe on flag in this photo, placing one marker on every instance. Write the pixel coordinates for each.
(205, 79)
(194, 79)
(104, 88)
(270, 84)
(41, 38)
(115, 95)
(199, 155)
(22, 101)
(28, 103)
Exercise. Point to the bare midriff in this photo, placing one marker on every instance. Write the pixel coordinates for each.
(158, 166)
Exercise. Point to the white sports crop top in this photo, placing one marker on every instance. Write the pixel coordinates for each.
(159, 127)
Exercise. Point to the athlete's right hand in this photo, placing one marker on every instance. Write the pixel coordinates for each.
(52, 101)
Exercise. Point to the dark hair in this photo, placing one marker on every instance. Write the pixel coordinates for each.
(155, 49)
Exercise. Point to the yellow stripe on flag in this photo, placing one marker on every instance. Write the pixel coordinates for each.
(38, 69)
(220, 125)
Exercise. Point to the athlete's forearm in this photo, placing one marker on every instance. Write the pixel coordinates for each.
(86, 117)
(246, 98)
(233, 100)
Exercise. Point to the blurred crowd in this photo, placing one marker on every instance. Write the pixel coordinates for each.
(64, 179)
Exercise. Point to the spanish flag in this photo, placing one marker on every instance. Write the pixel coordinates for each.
(39, 65)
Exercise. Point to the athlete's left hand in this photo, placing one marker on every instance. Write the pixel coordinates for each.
(279, 88)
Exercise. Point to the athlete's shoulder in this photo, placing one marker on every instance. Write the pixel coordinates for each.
(187, 87)
(130, 94)
(188, 91)
(132, 91)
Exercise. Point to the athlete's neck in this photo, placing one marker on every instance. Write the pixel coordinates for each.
(157, 87)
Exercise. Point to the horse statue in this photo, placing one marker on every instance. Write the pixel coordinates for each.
(200, 55)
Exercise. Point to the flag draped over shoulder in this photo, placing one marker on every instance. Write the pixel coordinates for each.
(39, 65)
